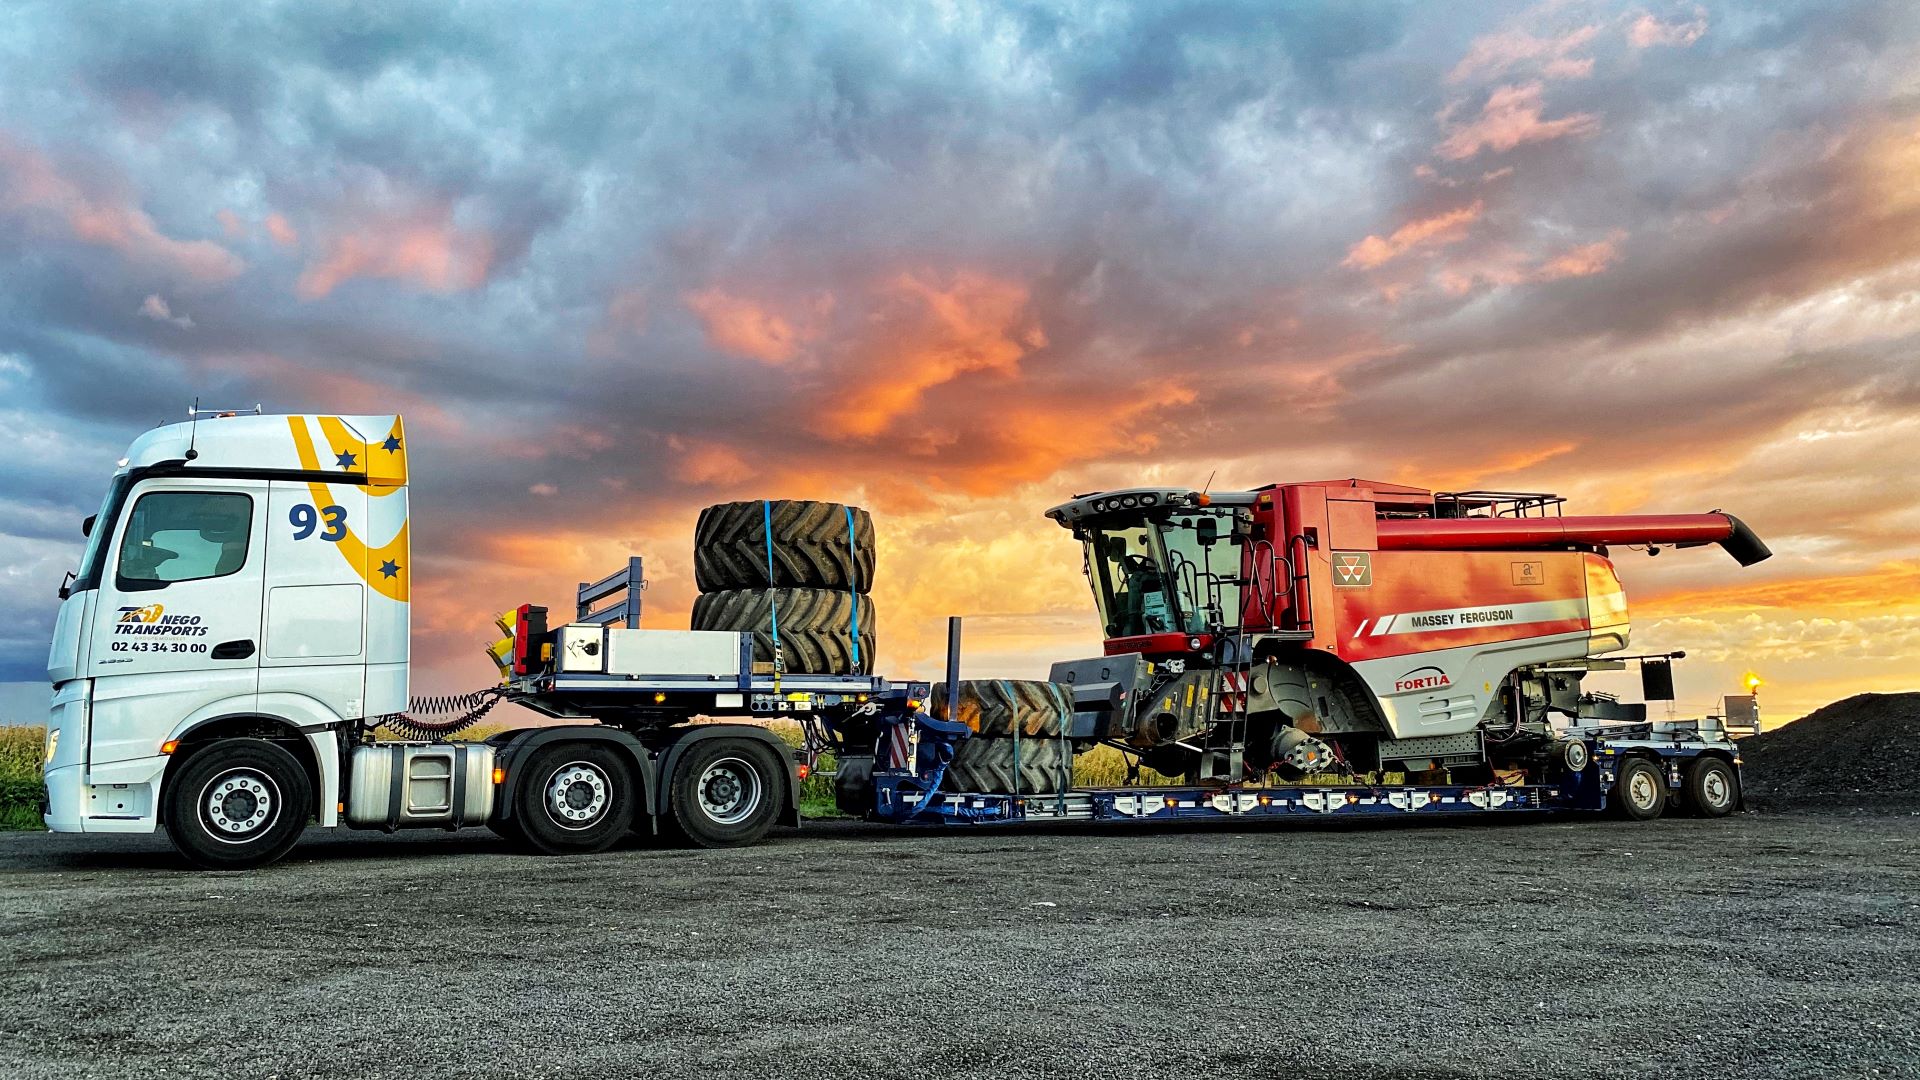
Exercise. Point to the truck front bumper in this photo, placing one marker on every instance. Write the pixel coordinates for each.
(73, 805)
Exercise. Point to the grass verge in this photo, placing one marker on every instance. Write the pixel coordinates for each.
(21, 751)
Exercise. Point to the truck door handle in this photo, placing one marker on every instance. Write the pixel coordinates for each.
(233, 650)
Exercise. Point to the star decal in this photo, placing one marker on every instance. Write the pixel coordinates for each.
(344, 459)
(392, 444)
(389, 568)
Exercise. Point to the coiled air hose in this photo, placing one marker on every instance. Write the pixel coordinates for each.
(468, 707)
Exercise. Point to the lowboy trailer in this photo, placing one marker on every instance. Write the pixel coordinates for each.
(237, 632)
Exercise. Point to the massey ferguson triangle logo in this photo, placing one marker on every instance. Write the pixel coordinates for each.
(1353, 568)
(1426, 678)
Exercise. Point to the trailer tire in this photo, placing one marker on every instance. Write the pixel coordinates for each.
(816, 626)
(1713, 788)
(237, 804)
(811, 548)
(574, 798)
(1639, 790)
(725, 793)
(997, 706)
(985, 766)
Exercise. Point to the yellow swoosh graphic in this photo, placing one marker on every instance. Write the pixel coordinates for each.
(365, 561)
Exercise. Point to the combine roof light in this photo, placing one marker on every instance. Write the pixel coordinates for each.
(1128, 501)
(1149, 499)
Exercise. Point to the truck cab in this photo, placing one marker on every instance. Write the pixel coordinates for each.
(246, 576)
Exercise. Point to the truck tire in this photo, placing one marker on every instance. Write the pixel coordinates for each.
(725, 792)
(996, 706)
(816, 626)
(1639, 790)
(574, 798)
(1713, 788)
(237, 804)
(985, 766)
(811, 548)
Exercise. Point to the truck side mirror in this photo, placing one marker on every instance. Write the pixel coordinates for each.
(1209, 530)
(86, 527)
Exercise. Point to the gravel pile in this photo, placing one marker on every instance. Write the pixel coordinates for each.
(1866, 745)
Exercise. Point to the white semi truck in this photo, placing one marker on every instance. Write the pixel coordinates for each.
(238, 627)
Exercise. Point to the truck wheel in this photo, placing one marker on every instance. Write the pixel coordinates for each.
(237, 804)
(574, 798)
(1713, 789)
(726, 792)
(985, 766)
(1639, 791)
(997, 706)
(816, 626)
(811, 549)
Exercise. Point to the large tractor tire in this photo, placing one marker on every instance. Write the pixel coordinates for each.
(985, 766)
(811, 547)
(998, 706)
(816, 626)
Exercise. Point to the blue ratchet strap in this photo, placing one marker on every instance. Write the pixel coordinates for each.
(773, 603)
(853, 585)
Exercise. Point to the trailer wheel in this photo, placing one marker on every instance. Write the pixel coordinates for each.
(1640, 791)
(1713, 789)
(726, 792)
(573, 799)
(237, 804)
(811, 547)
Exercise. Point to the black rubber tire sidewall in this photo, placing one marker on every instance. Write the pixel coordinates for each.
(538, 831)
(1623, 806)
(180, 811)
(1696, 780)
(810, 549)
(691, 824)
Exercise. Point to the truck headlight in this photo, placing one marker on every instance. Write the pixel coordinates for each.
(53, 743)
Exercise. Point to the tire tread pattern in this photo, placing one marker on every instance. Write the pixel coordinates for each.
(816, 626)
(985, 766)
(996, 706)
(810, 547)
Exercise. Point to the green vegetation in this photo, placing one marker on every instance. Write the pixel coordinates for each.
(22, 749)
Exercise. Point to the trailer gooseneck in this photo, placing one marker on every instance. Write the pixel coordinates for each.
(238, 629)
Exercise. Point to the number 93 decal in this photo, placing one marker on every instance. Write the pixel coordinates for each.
(305, 519)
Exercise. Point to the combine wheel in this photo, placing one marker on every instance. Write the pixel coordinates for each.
(573, 799)
(986, 766)
(237, 804)
(1713, 789)
(1639, 791)
(816, 626)
(811, 548)
(997, 706)
(726, 792)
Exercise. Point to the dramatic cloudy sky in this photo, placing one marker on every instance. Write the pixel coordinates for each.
(956, 261)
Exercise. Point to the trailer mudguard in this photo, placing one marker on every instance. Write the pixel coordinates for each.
(513, 747)
(677, 740)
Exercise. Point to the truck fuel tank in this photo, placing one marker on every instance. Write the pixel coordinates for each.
(419, 785)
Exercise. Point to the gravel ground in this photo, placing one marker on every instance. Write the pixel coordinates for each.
(1778, 945)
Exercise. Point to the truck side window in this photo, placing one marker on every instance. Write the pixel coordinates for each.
(184, 536)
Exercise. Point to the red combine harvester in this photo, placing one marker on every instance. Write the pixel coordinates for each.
(1354, 627)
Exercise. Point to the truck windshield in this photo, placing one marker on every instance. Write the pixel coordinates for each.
(1159, 578)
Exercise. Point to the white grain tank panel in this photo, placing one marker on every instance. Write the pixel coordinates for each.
(315, 620)
(673, 652)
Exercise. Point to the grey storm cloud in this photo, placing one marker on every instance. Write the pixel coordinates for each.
(496, 216)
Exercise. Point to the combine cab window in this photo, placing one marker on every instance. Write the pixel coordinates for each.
(1159, 578)
(184, 536)
(1129, 585)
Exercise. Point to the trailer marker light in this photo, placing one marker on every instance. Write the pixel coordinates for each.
(340, 808)
(170, 746)
(659, 696)
(802, 770)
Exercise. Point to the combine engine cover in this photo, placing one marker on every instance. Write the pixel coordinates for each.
(1350, 623)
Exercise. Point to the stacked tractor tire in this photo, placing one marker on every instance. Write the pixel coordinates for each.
(1017, 747)
(803, 567)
